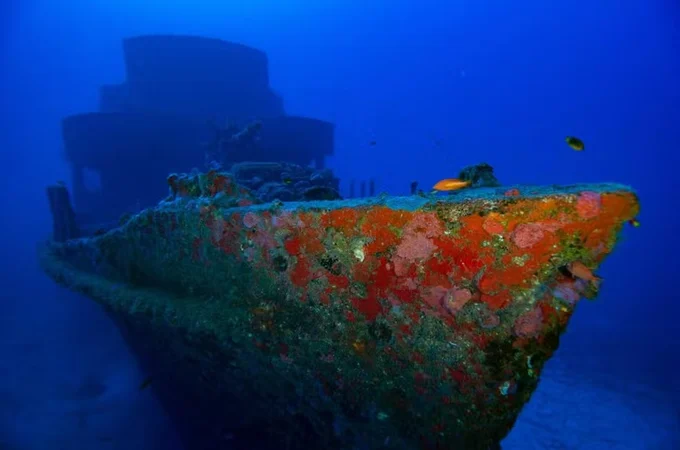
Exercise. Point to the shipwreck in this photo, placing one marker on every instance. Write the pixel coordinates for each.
(288, 317)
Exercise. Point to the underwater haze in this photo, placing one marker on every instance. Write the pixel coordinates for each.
(417, 90)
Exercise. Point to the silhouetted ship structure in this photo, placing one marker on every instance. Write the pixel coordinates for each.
(383, 322)
(179, 93)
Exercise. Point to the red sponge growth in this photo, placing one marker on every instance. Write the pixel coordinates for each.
(527, 235)
(588, 205)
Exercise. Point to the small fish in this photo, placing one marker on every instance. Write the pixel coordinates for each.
(450, 184)
(146, 383)
(634, 222)
(287, 180)
(575, 143)
(579, 270)
(372, 143)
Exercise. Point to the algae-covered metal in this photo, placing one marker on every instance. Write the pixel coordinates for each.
(413, 322)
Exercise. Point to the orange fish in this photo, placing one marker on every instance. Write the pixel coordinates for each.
(450, 184)
(580, 271)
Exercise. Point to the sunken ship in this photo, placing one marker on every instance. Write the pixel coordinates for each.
(275, 314)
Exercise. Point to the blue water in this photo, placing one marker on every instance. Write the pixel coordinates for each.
(437, 85)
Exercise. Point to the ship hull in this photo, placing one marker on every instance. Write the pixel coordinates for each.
(412, 322)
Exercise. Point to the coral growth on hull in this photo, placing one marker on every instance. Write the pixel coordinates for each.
(391, 322)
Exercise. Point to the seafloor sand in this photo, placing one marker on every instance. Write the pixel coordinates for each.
(578, 410)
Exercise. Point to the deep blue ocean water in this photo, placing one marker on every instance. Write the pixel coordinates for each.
(437, 85)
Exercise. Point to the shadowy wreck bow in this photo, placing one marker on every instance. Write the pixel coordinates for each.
(390, 322)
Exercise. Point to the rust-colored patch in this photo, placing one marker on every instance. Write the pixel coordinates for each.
(492, 225)
(379, 224)
(311, 241)
(468, 262)
(344, 219)
(337, 281)
(619, 207)
(363, 271)
(384, 276)
(496, 301)
(219, 183)
(293, 246)
(438, 272)
(472, 230)
(301, 275)
(405, 295)
(370, 307)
